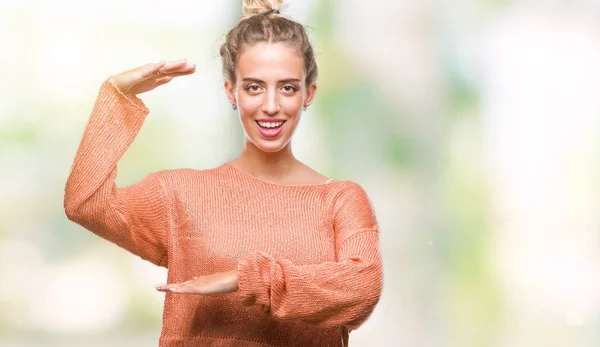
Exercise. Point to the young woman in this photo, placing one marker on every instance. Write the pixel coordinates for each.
(261, 250)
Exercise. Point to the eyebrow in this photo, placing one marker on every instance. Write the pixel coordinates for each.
(287, 80)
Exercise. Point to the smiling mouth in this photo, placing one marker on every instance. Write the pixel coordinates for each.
(270, 125)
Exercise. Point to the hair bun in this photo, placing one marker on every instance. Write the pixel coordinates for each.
(254, 7)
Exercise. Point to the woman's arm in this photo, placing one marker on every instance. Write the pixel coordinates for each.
(338, 293)
(327, 294)
(134, 217)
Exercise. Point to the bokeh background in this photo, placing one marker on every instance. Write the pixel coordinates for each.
(473, 126)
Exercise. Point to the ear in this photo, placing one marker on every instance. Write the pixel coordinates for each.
(230, 92)
(310, 93)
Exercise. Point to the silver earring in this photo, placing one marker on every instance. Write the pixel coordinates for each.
(304, 107)
(234, 107)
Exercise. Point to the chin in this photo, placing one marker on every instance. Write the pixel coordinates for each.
(272, 146)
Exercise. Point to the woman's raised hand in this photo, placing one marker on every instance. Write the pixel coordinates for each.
(149, 76)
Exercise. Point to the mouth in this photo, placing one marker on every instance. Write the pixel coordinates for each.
(270, 124)
(271, 128)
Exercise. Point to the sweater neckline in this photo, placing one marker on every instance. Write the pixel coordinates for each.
(254, 178)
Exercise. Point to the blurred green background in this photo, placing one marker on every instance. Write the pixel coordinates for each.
(473, 126)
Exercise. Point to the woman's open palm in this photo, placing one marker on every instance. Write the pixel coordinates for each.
(147, 77)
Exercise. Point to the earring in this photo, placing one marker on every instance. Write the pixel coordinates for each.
(304, 107)
(234, 107)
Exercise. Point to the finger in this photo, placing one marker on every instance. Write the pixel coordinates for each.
(169, 288)
(187, 68)
(177, 74)
(162, 80)
(160, 74)
(178, 289)
(184, 290)
(175, 286)
(174, 65)
(149, 70)
(163, 289)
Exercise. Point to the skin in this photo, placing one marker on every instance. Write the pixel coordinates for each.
(270, 82)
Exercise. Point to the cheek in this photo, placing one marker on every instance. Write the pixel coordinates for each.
(292, 105)
(248, 104)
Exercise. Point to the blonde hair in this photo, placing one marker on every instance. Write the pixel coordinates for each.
(262, 22)
(254, 7)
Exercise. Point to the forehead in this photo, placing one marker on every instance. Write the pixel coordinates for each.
(270, 60)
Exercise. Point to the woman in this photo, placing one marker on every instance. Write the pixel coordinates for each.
(260, 251)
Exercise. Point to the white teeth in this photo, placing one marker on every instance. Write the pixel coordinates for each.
(270, 124)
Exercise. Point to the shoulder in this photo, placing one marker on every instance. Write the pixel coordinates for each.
(350, 195)
(348, 190)
(353, 208)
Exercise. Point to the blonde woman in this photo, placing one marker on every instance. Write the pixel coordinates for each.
(261, 250)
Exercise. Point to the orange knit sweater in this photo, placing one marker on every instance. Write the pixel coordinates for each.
(307, 255)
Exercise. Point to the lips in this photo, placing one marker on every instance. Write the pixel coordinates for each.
(271, 128)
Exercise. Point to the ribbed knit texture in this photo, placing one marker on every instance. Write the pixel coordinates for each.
(307, 255)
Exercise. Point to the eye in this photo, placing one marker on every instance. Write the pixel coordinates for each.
(288, 88)
(253, 88)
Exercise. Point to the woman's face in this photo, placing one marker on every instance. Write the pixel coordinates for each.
(270, 92)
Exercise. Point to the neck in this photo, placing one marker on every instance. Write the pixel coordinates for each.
(264, 165)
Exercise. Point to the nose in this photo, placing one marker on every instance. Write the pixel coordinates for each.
(271, 103)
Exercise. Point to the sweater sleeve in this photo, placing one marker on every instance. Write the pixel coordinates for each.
(337, 293)
(134, 217)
